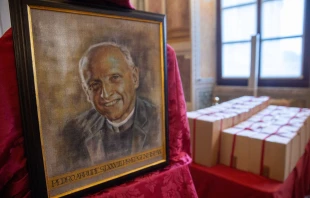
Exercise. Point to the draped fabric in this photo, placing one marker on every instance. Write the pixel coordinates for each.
(13, 173)
(172, 181)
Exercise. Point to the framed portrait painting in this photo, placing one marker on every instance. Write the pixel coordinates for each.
(93, 93)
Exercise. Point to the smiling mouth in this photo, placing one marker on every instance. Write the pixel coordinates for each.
(109, 104)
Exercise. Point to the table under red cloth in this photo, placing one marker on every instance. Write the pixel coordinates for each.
(173, 181)
(223, 182)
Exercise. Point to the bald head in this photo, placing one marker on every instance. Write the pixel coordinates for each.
(97, 49)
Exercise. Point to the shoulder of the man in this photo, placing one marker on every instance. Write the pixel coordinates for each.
(73, 151)
(148, 120)
(144, 104)
(147, 112)
(84, 122)
(146, 108)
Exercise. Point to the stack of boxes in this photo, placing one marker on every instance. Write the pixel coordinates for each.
(254, 137)
(270, 143)
(207, 124)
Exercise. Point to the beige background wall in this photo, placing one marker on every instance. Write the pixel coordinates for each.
(208, 38)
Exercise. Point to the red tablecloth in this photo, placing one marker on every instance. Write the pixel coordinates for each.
(174, 181)
(223, 182)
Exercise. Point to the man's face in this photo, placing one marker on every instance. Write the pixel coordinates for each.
(110, 83)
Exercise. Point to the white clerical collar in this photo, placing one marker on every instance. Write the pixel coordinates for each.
(117, 125)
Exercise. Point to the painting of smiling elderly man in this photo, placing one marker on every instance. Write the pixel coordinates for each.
(120, 123)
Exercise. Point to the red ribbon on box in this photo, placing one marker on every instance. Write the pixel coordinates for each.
(219, 149)
(246, 128)
(264, 140)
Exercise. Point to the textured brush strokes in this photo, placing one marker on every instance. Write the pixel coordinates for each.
(60, 39)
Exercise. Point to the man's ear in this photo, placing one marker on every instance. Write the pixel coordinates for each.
(135, 76)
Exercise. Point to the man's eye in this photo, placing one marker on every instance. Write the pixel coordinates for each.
(115, 77)
(94, 86)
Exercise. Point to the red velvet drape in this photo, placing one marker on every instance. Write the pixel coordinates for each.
(13, 174)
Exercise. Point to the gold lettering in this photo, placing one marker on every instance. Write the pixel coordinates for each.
(55, 182)
(59, 181)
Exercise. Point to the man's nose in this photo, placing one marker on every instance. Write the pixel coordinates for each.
(106, 91)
